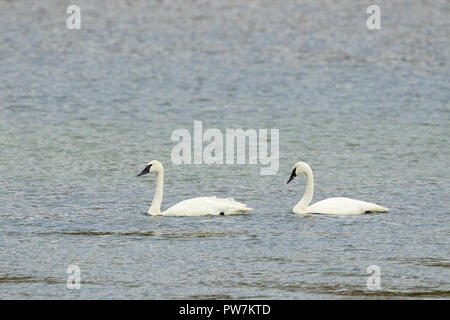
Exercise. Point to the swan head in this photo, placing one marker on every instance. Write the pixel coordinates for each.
(153, 166)
(299, 169)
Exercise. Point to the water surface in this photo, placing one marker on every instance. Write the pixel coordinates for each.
(82, 112)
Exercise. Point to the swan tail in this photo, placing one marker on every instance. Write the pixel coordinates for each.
(240, 207)
(240, 210)
(230, 201)
(237, 207)
(377, 208)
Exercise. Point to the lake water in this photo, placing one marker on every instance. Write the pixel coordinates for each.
(83, 111)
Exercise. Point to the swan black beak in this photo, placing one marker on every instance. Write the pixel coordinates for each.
(293, 175)
(145, 171)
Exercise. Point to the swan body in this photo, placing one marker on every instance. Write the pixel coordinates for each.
(341, 206)
(192, 207)
(206, 206)
(336, 206)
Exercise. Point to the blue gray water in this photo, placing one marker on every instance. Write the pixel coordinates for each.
(83, 111)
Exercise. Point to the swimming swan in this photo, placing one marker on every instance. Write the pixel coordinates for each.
(340, 206)
(192, 207)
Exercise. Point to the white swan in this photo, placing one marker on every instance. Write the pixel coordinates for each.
(192, 207)
(340, 206)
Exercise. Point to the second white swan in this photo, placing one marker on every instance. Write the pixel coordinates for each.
(338, 206)
(192, 207)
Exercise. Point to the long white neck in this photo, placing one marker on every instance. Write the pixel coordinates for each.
(155, 208)
(309, 192)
